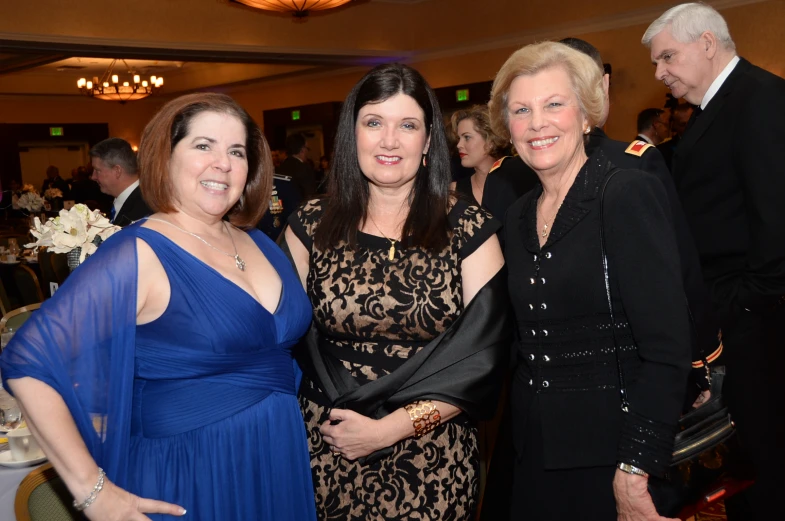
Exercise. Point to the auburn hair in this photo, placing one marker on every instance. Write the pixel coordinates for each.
(171, 124)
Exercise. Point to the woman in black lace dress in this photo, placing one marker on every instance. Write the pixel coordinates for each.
(398, 364)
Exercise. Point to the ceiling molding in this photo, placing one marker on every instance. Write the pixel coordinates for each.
(592, 25)
(23, 62)
(188, 51)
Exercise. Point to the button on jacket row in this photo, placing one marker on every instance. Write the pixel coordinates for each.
(543, 306)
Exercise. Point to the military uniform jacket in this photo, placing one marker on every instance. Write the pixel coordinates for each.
(565, 362)
(729, 171)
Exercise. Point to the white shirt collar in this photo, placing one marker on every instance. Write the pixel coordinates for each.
(119, 201)
(641, 137)
(718, 81)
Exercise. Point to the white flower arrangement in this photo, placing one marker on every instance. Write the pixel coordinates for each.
(30, 201)
(78, 227)
(53, 193)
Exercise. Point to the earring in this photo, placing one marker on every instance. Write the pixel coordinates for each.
(587, 130)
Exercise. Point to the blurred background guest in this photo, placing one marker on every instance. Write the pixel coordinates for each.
(86, 191)
(298, 167)
(182, 305)
(478, 147)
(400, 360)
(283, 200)
(53, 180)
(321, 175)
(653, 126)
(115, 171)
(569, 431)
(680, 115)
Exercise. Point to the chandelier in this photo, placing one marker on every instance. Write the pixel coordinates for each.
(299, 8)
(109, 87)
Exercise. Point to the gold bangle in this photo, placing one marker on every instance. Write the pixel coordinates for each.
(425, 417)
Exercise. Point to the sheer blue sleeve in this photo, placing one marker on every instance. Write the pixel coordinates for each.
(81, 343)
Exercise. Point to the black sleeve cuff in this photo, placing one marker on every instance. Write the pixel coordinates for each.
(646, 444)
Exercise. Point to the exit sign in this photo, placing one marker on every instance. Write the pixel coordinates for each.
(462, 95)
(295, 115)
(55, 131)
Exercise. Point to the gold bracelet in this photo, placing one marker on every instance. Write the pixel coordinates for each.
(425, 417)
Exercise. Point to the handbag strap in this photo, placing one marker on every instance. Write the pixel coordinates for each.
(625, 405)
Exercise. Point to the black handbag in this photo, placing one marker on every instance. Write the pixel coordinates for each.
(705, 438)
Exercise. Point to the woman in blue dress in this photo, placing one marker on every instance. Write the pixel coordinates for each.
(159, 379)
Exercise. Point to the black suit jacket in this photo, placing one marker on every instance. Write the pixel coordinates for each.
(729, 171)
(566, 365)
(667, 148)
(502, 189)
(133, 209)
(302, 174)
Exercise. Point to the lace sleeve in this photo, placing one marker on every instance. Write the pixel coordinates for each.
(303, 222)
(475, 225)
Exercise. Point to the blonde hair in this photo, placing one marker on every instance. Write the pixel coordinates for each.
(585, 77)
(480, 117)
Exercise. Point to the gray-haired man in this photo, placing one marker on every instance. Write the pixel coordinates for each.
(730, 175)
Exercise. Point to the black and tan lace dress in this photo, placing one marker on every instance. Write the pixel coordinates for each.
(377, 313)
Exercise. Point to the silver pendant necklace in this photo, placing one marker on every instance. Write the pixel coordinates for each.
(240, 263)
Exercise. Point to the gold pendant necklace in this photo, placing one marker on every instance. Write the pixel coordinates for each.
(391, 253)
(548, 221)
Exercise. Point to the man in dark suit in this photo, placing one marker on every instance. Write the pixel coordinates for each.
(115, 171)
(680, 115)
(653, 126)
(284, 200)
(730, 175)
(296, 167)
(53, 180)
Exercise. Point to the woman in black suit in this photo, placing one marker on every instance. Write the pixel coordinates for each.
(579, 456)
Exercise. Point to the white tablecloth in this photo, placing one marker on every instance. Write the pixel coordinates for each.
(9, 483)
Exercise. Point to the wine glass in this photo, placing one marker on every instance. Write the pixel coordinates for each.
(10, 413)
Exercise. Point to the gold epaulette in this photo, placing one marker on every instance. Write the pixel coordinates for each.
(498, 163)
(637, 148)
(711, 358)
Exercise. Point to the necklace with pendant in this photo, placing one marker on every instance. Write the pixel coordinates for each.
(391, 253)
(545, 231)
(240, 263)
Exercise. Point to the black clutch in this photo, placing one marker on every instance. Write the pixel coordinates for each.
(704, 440)
(702, 455)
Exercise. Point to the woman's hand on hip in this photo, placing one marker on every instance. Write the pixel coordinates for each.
(633, 501)
(116, 504)
(351, 434)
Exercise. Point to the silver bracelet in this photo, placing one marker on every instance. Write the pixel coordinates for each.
(94, 494)
(631, 469)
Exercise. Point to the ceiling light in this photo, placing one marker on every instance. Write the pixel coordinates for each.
(110, 88)
(299, 8)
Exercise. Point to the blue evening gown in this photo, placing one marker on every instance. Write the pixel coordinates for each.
(196, 408)
(215, 425)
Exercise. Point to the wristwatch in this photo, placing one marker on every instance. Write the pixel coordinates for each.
(631, 469)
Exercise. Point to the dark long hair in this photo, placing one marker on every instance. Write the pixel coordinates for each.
(347, 202)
